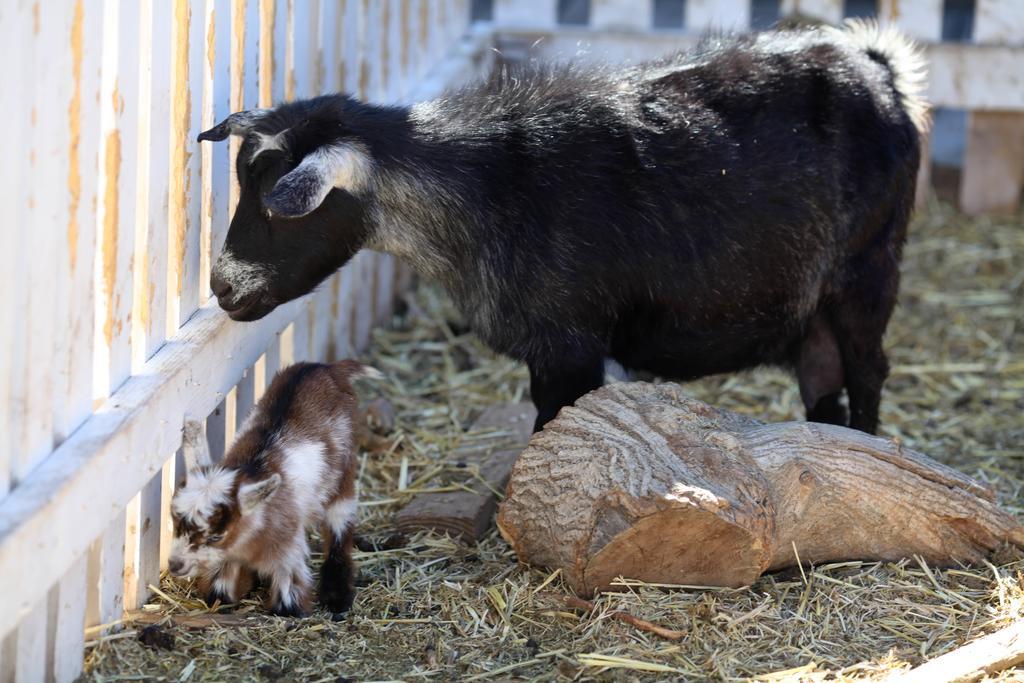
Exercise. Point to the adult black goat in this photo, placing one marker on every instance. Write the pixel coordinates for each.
(740, 204)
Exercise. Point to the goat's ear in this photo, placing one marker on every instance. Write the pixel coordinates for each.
(239, 123)
(251, 496)
(344, 166)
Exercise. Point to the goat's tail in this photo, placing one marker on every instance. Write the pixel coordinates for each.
(349, 370)
(902, 57)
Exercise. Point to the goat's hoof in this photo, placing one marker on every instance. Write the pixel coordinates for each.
(337, 600)
(282, 610)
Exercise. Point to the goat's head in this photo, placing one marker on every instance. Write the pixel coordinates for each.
(301, 172)
(215, 513)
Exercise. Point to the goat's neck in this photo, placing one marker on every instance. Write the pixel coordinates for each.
(426, 209)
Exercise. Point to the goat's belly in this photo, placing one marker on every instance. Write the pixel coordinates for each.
(683, 354)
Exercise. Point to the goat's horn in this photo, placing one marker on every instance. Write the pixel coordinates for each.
(239, 123)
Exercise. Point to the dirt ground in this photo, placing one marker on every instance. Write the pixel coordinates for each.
(432, 608)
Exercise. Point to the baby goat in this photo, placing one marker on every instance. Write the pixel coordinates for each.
(292, 465)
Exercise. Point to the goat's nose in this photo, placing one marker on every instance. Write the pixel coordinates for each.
(221, 288)
(175, 565)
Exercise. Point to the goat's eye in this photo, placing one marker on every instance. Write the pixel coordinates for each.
(216, 538)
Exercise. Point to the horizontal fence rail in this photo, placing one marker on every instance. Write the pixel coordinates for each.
(116, 215)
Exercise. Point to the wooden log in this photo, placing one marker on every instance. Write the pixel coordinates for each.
(986, 656)
(639, 481)
(467, 513)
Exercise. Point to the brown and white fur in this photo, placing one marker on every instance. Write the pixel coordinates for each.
(292, 466)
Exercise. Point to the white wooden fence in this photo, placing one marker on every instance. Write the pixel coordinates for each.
(984, 76)
(112, 217)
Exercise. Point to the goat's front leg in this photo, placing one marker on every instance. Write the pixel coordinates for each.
(228, 584)
(553, 388)
(338, 573)
(291, 582)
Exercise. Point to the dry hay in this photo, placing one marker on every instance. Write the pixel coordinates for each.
(432, 608)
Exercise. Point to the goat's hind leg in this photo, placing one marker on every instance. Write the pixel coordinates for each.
(338, 573)
(819, 371)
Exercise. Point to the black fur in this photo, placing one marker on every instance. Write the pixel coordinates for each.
(338, 576)
(696, 215)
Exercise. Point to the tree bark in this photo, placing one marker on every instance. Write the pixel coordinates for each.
(639, 481)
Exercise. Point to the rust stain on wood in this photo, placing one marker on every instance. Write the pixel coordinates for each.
(342, 83)
(289, 81)
(238, 53)
(424, 24)
(211, 42)
(266, 72)
(385, 46)
(112, 166)
(403, 48)
(181, 113)
(35, 18)
(364, 62)
(75, 134)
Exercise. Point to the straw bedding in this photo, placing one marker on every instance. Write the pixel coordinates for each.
(430, 607)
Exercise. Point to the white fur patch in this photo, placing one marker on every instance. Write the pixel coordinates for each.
(203, 558)
(342, 515)
(244, 277)
(341, 430)
(265, 143)
(204, 491)
(304, 469)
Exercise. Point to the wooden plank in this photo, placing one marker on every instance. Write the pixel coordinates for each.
(826, 10)
(30, 657)
(621, 15)
(217, 431)
(75, 292)
(68, 620)
(151, 291)
(924, 172)
(17, 31)
(105, 575)
(541, 14)
(701, 15)
(119, 208)
(8, 657)
(998, 22)
(245, 397)
(975, 77)
(993, 170)
(986, 656)
(216, 211)
(468, 513)
(920, 19)
(281, 20)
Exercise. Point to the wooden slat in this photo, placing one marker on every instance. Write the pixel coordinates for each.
(920, 19)
(964, 76)
(17, 32)
(184, 193)
(120, 213)
(281, 16)
(105, 575)
(616, 15)
(67, 614)
(72, 360)
(217, 180)
(30, 654)
(216, 430)
(999, 22)
(826, 10)
(245, 397)
(151, 294)
(516, 14)
(993, 170)
(717, 14)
